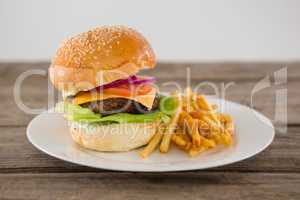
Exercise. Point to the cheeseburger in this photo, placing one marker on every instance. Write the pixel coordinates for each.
(107, 105)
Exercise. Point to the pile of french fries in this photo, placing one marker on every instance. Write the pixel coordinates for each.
(195, 127)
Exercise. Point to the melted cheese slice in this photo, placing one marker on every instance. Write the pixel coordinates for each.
(146, 99)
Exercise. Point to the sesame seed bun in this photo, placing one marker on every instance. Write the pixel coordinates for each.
(99, 56)
(113, 137)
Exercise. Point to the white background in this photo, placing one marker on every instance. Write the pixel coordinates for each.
(255, 30)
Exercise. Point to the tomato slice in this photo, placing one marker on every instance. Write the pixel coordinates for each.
(123, 90)
(126, 90)
(117, 91)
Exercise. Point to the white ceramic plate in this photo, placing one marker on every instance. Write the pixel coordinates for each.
(254, 132)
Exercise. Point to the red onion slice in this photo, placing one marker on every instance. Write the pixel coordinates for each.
(131, 80)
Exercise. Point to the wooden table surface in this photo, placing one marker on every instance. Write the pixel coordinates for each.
(27, 173)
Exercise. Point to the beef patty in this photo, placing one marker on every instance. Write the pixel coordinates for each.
(118, 105)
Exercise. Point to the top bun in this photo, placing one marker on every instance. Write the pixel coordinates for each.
(99, 56)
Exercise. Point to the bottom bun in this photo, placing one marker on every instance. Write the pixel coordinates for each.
(112, 137)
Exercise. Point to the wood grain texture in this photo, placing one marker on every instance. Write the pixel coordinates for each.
(208, 71)
(18, 155)
(192, 185)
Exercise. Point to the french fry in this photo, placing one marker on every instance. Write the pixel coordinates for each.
(165, 143)
(213, 125)
(186, 121)
(229, 126)
(179, 141)
(188, 141)
(185, 138)
(196, 151)
(217, 138)
(224, 118)
(188, 146)
(208, 143)
(205, 105)
(182, 118)
(184, 135)
(202, 124)
(194, 132)
(198, 114)
(226, 139)
(153, 143)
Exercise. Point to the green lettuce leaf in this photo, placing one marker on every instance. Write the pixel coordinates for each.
(68, 108)
(132, 118)
(168, 105)
(77, 113)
